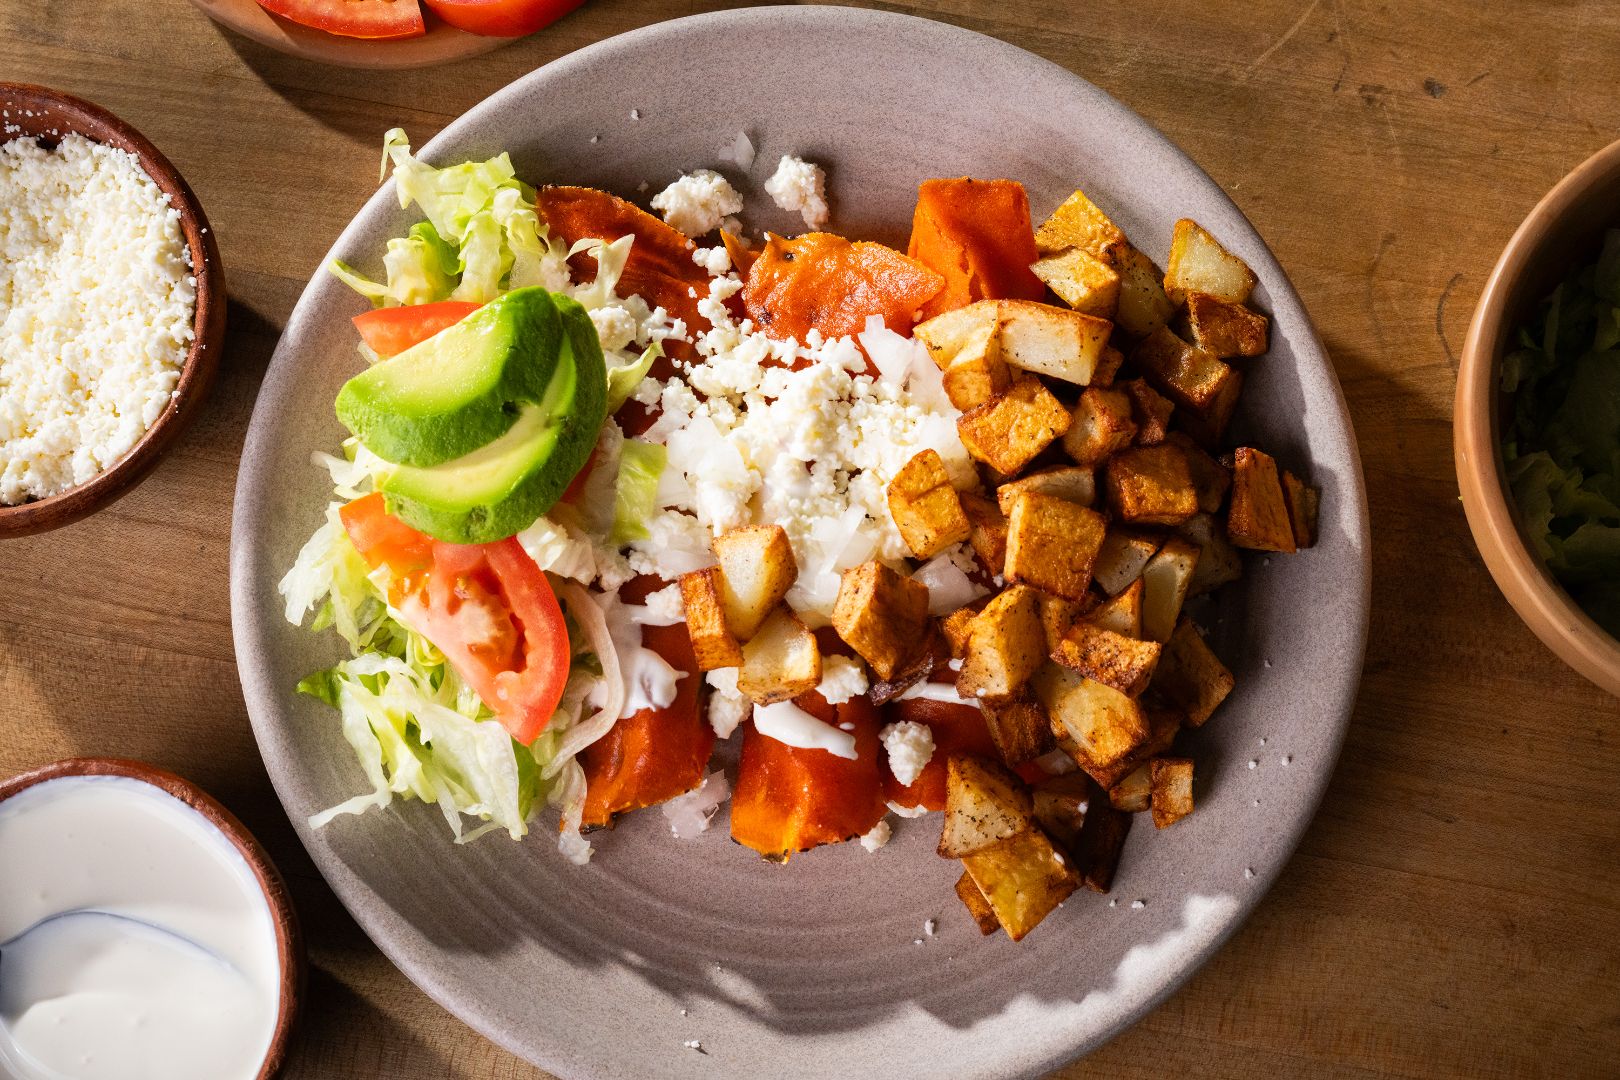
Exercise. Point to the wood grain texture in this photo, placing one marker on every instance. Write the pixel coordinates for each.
(1455, 908)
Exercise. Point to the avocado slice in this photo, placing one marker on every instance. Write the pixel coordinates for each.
(460, 389)
(500, 488)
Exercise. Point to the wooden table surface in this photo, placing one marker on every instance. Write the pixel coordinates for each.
(1455, 908)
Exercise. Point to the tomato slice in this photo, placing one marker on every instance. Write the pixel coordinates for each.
(487, 607)
(376, 19)
(390, 331)
(501, 18)
(791, 799)
(958, 729)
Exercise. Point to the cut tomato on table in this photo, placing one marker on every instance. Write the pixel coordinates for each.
(824, 282)
(977, 234)
(501, 18)
(487, 607)
(390, 331)
(374, 19)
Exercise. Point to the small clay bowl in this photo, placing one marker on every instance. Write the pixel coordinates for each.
(289, 939)
(34, 111)
(1563, 231)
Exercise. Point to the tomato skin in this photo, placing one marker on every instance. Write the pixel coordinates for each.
(390, 331)
(376, 20)
(958, 729)
(791, 799)
(501, 18)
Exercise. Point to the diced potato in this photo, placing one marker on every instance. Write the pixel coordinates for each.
(757, 570)
(1102, 424)
(948, 334)
(925, 507)
(984, 803)
(1060, 807)
(1105, 724)
(1101, 840)
(1150, 410)
(1151, 485)
(1079, 224)
(1108, 365)
(957, 626)
(1302, 500)
(1198, 263)
(1225, 329)
(1198, 381)
(713, 644)
(977, 905)
(1121, 613)
(1258, 518)
(1058, 614)
(933, 656)
(1005, 645)
(1163, 724)
(1134, 794)
(1165, 580)
(1113, 659)
(1082, 281)
(1190, 676)
(1218, 561)
(1143, 305)
(1024, 878)
(1008, 431)
(977, 372)
(1210, 479)
(882, 615)
(1172, 790)
(1052, 543)
(1121, 558)
(987, 530)
(1018, 726)
(780, 662)
(1051, 340)
(1072, 482)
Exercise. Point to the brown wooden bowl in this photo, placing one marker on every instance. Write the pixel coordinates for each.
(46, 115)
(289, 938)
(1565, 229)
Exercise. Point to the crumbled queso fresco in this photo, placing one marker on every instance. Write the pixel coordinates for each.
(96, 305)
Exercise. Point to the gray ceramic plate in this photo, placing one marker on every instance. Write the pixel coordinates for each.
(814, 969)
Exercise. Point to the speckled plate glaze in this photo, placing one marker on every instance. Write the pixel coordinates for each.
(821, 968)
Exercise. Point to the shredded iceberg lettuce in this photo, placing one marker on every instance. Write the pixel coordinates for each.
(635, 497)
(623, 380)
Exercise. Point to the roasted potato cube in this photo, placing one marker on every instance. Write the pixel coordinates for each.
(1172, 790)
(1051, 340)
(1134, 794)
(1163, 724)
(1102, 838)
(1258, 518)
(757, 569)
(1108, 365)
(713, 644)
(1102, 424)
(1121, 613)
(934, 655)
(1218, 561)
(1198, 381)
(1082, 281)
(1079, 224)
(925, 507)
(1302, 500)
(987, 530)
(966, 344)
(1018, 726)
(1165, 581)
(780, 662)
(1072, 482)
(984, 803)
(1198, 263)
(1225, 329)
(1008, 431)
(1210, 479)
(1190, 676)
(1121, 558)
(946, 335)
(1143, 306)
(882, 615)
(1150, 410)
(1060, 807)
(1005, 645)
(1058, 614)
(1024, 878)
(957, 626)
(1105, 724)
(977, 905)
(1115, 660)
(1052, 543)
(976, 376)
(1151, 485)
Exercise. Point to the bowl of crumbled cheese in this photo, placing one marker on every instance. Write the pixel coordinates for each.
(112, 308)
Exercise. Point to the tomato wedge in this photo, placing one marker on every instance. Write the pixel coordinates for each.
(819, 281)
(977, 234)
(375, 19)
(958, 729)
(501, 18)
(791, 799)
(487, 607)
(390, 331)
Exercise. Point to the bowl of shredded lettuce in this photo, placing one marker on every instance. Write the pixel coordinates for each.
(1537, 420)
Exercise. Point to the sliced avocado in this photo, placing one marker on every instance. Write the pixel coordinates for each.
(502, 487)
(460, 389)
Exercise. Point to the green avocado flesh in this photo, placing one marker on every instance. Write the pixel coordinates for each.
(501, 487)
(460, 389)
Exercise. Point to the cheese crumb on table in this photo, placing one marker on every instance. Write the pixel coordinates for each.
(802, 186)
(697, 202)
